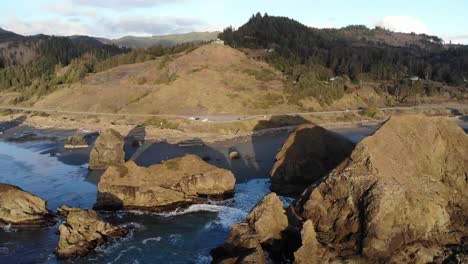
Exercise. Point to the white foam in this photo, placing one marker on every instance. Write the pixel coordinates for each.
(175, 238)
(8, 228)
(203, 259)
(156, 239)
(124, 252)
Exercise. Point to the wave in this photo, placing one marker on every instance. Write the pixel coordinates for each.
(8, 228)
(156, 239)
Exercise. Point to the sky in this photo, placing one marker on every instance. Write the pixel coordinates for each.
(117, 18)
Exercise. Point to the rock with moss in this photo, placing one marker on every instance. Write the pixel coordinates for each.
(108, 150)
(172, 184)
(22, 209)
(82, 231)
(309, 153)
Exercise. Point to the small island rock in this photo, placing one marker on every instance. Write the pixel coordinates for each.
(174, 183)
(22, 209)
(108, 150)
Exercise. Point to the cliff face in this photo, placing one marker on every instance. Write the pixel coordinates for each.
(309, 153)
(400, 197)
(405, 185)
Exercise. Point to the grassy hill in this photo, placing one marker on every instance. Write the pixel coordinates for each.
(210, 79)
(165, 41)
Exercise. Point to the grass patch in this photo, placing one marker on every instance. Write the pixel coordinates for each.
(141, 80)
(41, 114)
(268, 101)
(370, 112)
(161, 123)
(166, 78)
(198, 69)
(232, 96)
(172, 164)
(5, 112)
(165, 60)
(263, 75)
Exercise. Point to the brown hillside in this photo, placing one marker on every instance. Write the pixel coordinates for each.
(210, 79)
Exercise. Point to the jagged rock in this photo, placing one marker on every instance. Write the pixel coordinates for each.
(174, 183)
(76, 141)
(22, 209)
(108, 150)
(82, 231)
(309, 153)
(264, 224)
(401, 196)
(308, 253)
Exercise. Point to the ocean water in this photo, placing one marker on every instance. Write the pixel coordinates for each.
(184, 236)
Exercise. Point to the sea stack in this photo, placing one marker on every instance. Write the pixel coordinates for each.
(401, 197)
(174, 183)
(309, 153)
(263, 226)
(22, 209)
(82, 231)
(108, 150)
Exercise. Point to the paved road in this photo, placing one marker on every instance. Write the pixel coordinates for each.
(228, 118)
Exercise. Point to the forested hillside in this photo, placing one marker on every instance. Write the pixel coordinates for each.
(308, 55)
(29, 64)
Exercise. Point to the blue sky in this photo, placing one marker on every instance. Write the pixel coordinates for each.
(117, 18)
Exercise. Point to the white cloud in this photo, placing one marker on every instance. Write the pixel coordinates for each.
(114, 27)
(58, 27)
(123, 4)
(457, 39)
(149, 25)
(405, 24)
(68, 9)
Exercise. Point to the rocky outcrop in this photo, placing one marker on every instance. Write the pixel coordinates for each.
(83, 231)
(76, 141)
(174, 183)
(264, 225)
(108, 150)
(22, 209)
(309, 153)
(401, 197)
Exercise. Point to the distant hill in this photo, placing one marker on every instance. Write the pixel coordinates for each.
(6, 36)
(357, 52)
(165, 41)
(363, 35)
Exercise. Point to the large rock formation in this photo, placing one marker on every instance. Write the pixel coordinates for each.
(401, 197)
(309, 153)
(76, 141)
(19, 208)
(82, 231)
(108, 150)
(177, 182)
(264, 225)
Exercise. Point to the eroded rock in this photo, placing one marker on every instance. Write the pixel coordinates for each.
(83, 231)
(264, 225)
(309, 153)
(22, 209)
(174, 183)
(108, 150)
(401, 196)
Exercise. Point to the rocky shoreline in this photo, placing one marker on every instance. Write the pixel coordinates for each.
(385, 198)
